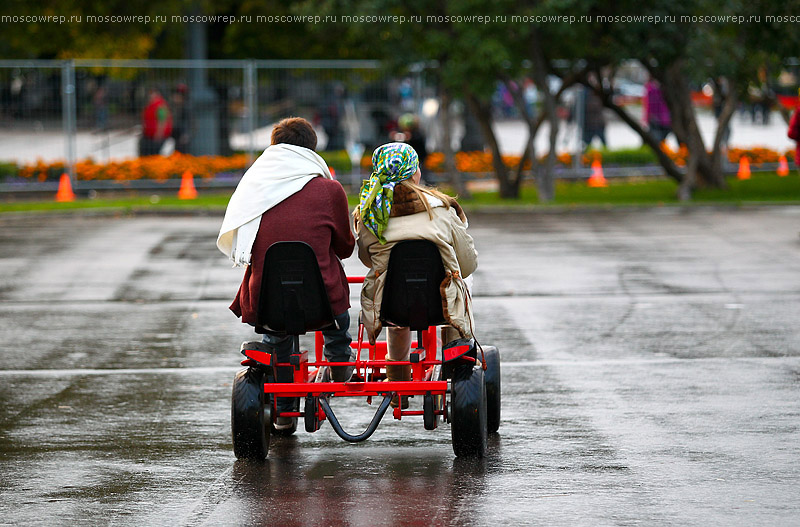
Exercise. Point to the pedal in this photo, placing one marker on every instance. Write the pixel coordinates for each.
(295, 359)
(418, 355)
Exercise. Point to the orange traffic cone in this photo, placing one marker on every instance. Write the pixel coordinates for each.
(187, 190)
(783, 167)
(744, 168)
(597, 179)
(65, 189)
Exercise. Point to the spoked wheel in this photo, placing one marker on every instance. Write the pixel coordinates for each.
(251, 415)
(468, 413)
(492, 376)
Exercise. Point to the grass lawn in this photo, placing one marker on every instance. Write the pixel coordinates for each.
(211, 202)
(761, 188)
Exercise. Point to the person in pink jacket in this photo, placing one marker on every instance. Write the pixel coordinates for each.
(794, 131)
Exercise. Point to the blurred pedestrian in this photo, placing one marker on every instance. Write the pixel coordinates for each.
(531, 96)
(411, 133)
(406, 94)
(760, 95)
(656, 111)
(156, 124)
(330, 114)
(794, 131)
(182, 123)
(100, 103)
(594, 122)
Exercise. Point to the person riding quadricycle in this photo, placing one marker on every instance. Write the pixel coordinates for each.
(415, 243)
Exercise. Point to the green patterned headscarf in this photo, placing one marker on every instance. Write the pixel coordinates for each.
(391, 164)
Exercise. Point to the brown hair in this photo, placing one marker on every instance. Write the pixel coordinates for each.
(295, 131)
(420, 190)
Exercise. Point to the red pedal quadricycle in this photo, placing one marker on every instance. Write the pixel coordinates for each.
(459, 383)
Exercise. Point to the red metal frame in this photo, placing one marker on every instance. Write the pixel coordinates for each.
(365, 369)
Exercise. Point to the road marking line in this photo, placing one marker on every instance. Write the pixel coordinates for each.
(119, 371)
(637, 360)
(514, 364)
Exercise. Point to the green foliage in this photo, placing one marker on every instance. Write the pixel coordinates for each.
(8, 170)
(642, 155)
(338, 159)
(85, 39)
(761, 188)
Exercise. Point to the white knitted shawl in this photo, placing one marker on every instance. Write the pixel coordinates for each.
(281, 171)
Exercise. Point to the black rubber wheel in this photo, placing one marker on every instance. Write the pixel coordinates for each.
(492, 376)
(251, 416)
(310, 413)
(429, 417)
(468, 413)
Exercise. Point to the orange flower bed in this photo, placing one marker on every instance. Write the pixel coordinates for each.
(472, 162)
(161, 168)
(158, 168)
(757, 156)
(482, 161)
(479, 161)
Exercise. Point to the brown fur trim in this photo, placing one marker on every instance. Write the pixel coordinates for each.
(457, 207)
(406, 202)
(443, 292)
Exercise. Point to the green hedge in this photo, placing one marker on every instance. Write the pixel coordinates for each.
(338, 159)
(643, 155)
(8, 170)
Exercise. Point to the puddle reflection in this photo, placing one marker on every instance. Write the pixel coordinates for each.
(363, 485)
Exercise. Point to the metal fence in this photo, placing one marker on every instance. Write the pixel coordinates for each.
(79, 109)
(71, 110)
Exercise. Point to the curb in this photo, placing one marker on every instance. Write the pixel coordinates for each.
(476, 210)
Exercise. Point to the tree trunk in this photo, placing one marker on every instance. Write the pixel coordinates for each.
(482, 111)
(720, 148)
(689, 183)
(456, 179)
(664, 160)
(533, 124)
(684, 121)
(533, 128)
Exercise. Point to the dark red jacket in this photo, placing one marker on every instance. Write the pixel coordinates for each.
(317, 215)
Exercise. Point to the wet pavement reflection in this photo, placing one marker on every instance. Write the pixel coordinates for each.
(651, 375)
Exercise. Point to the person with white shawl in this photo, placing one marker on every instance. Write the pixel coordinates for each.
(288, 194)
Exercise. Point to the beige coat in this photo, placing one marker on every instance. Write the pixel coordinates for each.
(410, 221)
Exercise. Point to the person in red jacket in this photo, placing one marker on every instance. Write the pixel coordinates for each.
(288, 195)
(794, 131)
(156, 125)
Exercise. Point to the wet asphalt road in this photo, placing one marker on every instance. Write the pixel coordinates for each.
(651, 376)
